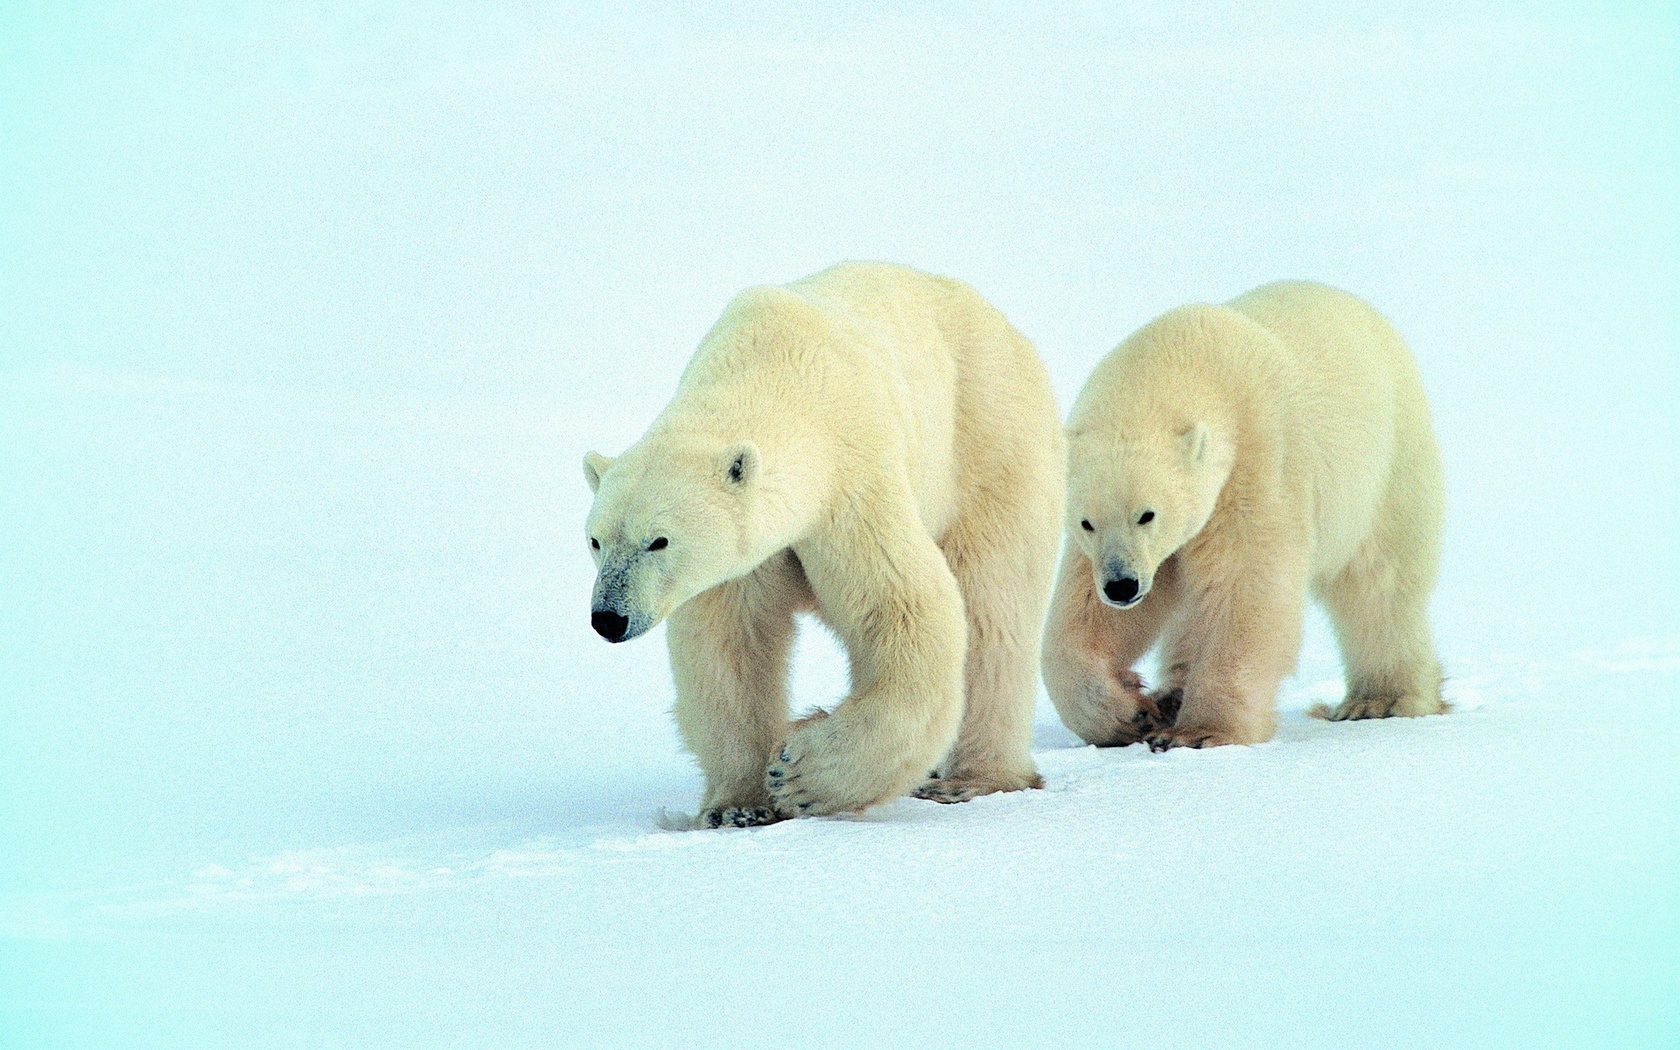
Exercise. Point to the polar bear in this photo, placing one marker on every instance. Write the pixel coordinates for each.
(877, 446)
(1223, 463)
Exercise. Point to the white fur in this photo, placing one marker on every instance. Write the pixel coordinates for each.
(1281, 446)
(880, 447)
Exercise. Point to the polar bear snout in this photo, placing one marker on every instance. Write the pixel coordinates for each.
(620, 608)
(1123, 590)
(609, 625)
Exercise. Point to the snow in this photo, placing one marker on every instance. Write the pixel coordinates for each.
(307, 317)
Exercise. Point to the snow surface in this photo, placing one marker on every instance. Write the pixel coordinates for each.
(307, 316)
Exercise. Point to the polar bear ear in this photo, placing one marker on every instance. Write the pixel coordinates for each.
(740, 463)
(594, 465)
(1195, 440)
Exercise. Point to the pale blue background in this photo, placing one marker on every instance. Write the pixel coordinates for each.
(308, 313)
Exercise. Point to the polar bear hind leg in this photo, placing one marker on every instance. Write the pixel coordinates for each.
(1002, 560)
(1379, 606)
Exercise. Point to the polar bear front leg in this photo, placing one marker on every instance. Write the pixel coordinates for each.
(1238, 640)
(730, 648)
(1168, 694)
(1090, 648)
(885, 590)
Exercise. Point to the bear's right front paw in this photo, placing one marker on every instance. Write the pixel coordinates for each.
(737, 817)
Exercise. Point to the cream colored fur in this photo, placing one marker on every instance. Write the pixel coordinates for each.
(879, 447)
(1280, 445)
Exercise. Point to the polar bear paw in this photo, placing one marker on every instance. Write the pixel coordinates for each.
(1156, 713)
(1169, 737)
(737, 817)
(818, 773)
(938, 789)
(1167, 701)
(1358, 707)
(962, 786)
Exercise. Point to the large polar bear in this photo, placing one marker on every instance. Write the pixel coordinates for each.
(1223, 463)
(880, 447)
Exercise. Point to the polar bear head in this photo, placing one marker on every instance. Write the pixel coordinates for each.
(1135, 499)
(672, 517)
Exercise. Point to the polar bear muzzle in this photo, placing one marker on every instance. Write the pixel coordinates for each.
(609, 625)
(616, 626)
(1122, 592)
(618, 611)
(1121, 587)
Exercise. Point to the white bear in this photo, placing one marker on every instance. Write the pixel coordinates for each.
(877, 446)
(1223, 463)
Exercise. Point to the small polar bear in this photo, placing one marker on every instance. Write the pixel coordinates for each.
(877, 446)
(1223, 463)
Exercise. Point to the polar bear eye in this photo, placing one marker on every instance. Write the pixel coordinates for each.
(1086, 525)
(659, 544)
(594, 544)
(1146, 517)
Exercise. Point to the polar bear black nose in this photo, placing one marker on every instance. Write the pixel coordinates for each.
(608, 624)
(1122, 590)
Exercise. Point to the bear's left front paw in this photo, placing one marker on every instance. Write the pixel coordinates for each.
(1190, 736)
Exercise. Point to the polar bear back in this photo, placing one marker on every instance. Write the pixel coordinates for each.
(885, 368)
(1357, 417)
(901, 362)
